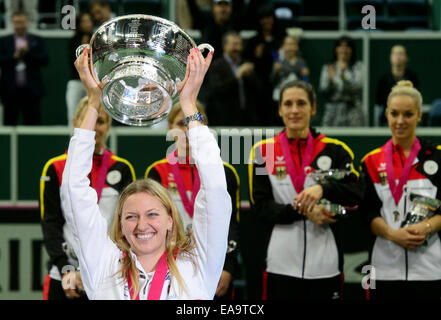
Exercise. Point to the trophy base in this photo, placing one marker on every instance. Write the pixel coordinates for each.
(138, 100)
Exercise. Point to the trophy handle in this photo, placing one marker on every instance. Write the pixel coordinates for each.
(203, 46)
(80, 49)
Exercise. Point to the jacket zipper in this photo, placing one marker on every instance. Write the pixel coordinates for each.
(299, 150)
(406, 262)
(304, 247)
(405, 250)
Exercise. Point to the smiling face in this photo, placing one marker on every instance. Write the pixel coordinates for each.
(403, 116)
(296, 110)
(233, 46)
(144, 224)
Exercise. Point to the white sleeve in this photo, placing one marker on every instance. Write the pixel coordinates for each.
(93, 247)
(212, 209)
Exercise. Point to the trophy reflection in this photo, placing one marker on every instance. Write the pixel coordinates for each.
(324, 177)
(423, 208)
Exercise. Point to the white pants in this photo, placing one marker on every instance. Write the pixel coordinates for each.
(74, 93)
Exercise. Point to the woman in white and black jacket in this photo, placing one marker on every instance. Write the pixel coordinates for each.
(406, 262)
(148, 255)
(304, 259)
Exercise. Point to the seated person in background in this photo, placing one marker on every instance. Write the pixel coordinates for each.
(180, 177)
(100, 11)
(183, 14)
(290, 66)
(398, 71)
(233, 91)
(110, 175)
(341, 84)
(262, 51)
(223, 18)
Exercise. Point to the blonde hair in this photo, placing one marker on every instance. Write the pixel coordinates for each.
(406, 88)
(177, 108)
(82, 106)
(177, 241)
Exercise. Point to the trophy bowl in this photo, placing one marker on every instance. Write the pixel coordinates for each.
(139, 59)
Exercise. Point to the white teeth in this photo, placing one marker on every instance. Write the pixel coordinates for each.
(145, 236)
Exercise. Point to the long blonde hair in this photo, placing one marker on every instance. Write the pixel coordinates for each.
(177, 241)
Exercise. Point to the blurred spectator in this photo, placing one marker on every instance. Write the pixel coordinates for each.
(250, 9)
(233, 89)
(289, 67)
(101, 12)
(21, 87)
(262, 51)
(398, 71)
(341, 84)
(75, 90)
(213, 26)
(28, 6)
(184, 17)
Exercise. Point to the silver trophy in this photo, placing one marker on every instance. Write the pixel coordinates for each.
(323, 177)
(423, 208)
(139, 59)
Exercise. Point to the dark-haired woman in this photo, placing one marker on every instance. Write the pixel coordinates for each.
(341, 84)
(304, 259)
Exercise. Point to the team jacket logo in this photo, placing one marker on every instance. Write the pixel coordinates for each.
(114, 177)
(280, 172)
(324, 163)
(280, 160)
(430, 167)
(382, 174)
(383, 178)
(172, 188)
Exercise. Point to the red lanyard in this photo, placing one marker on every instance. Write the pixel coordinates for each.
(102, 173)
(397, 190)
(157, 281)
(297, 177)
(188, 203)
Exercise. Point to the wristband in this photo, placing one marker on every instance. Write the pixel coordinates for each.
(194, 117)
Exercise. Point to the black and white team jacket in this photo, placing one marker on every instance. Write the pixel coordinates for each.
(56, 237)
(391, 261)
(297, 247)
